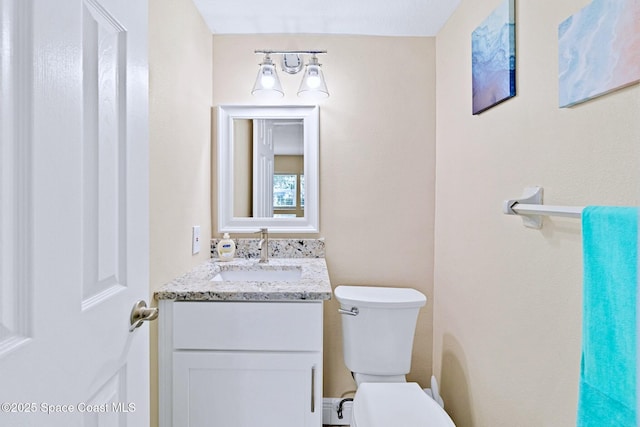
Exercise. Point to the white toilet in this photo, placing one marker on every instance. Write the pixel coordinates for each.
(378, 325)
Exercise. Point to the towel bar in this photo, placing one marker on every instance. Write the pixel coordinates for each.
(530, 207)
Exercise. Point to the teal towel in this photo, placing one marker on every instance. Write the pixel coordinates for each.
(607, 395)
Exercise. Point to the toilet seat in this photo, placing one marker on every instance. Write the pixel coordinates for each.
(396, 404)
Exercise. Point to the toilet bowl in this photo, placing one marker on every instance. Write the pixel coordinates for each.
(378, 325)
(396, 404)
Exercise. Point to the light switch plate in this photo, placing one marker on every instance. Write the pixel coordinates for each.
(195, 241)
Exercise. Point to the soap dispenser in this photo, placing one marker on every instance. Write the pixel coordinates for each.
(226, 248)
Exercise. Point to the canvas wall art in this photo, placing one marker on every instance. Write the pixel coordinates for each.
(493, 52)
(599, 50)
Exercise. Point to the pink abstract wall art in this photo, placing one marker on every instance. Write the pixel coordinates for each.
(599, 50)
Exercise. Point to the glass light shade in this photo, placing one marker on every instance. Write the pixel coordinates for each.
(313, 84)
(267, 83)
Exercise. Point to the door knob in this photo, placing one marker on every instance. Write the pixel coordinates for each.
(140, 312)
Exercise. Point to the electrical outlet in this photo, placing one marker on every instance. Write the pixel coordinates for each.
(195, 240)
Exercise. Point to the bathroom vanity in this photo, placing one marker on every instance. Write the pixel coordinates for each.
(240, 344)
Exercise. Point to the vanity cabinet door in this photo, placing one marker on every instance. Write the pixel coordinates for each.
(247, 389)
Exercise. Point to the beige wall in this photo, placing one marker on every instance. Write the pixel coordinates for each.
(180, 140)
(376, 172)
(507, 309)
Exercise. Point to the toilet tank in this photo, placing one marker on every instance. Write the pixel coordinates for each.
(379, 339)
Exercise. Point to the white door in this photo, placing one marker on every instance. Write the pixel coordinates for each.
(263, 160)
(73, 212)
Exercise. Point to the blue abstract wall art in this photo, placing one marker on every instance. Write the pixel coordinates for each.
(493, 58)
(599, 50)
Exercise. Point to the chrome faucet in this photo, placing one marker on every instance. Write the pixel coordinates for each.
(264, 245)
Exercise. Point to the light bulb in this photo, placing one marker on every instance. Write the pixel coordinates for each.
(313, 81)
(268, 81)
(313, 77)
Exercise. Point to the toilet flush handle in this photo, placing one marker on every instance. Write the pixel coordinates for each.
(353, 312)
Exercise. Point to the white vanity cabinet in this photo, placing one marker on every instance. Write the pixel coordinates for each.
(240, 363)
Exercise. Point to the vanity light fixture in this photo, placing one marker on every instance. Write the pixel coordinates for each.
(312, 85)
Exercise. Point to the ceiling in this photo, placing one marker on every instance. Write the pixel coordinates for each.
(361, 17)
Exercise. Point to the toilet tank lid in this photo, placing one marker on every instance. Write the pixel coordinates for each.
(378, 297)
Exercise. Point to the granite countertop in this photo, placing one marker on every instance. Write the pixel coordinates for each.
(197, 284)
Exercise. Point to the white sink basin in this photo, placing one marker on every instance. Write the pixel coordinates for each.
(258, 275)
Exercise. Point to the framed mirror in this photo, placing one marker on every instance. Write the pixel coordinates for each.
(268, 168)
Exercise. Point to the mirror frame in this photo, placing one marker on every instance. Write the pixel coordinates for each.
(311, 130)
